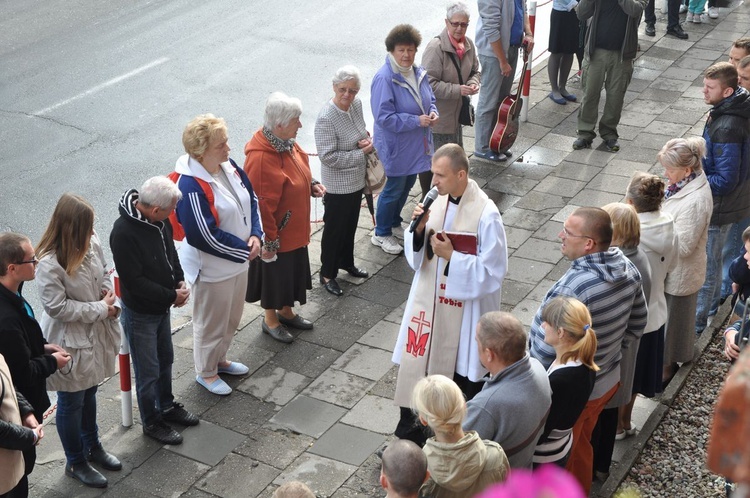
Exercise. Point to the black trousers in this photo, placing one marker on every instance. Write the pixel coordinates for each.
(603, 439)
(409, 426)
(340, 218)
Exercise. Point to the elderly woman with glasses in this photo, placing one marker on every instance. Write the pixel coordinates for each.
(343, 142)
(403, 105)
(442, 58)
(280, 172)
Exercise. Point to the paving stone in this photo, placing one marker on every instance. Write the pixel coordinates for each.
(667, 128)
(541, 250)
(273, 384)
(559, 270)
(514, 292)
(238, 476)
(636, 85)
(591, 157)
(338, 388)
(532, 170)
(626, 168)
(383, 291)
(322, 475)
(644, 73)
(538, 293)
(670, 85)
(597, 198)
(691, 63)
(251, 356)
(277, 448)
(479, 168)
(576, 171)
(704, 54)
(682, 116)
(515, 236)
(646, 106)
(382, 335)
(659, 95)
(653, 141)
(373, 413)
(609, 183)
(166, 474)
(523, 218)
(527, 270)
(546, 156)
(365, 482)
(693, 92)
(365, 361)
(532, 130)
(373, 254)
(542, 201)
(308, 416)
(563, 214)
(192, 395)
(309, 359)
(525, 311)
(396, 315)
(398, 270)
(664, 53)
(560, 186)
(362, 312)
(386, 386)
(555, 141)
(253, 336)
(712, 44)
(510, 184)
(238, 411)
(678, 73)
(347, 444)
(674, 43)
(652, 62)
(637, 118)
(503, 201)
(550, 231)
(688, 104)
(545, 117)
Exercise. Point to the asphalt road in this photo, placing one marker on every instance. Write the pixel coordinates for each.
(94, 95)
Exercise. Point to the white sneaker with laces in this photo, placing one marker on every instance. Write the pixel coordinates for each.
(683, 8)
(713, 12)
(388, 244)
(689, 17)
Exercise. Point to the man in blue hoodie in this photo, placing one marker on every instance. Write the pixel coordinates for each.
(607, 282)
(727, 168)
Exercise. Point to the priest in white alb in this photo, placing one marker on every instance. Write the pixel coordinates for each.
(459, 252)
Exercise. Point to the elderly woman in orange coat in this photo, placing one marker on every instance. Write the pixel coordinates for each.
(279, 170)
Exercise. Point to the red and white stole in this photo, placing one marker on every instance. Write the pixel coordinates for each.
(435, 321)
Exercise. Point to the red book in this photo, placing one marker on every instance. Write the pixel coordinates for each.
(463, 242)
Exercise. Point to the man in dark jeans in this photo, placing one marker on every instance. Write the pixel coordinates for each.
(151, 282)
(673, 19)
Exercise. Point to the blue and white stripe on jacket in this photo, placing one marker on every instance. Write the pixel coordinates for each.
(610, 286)
(216, 251)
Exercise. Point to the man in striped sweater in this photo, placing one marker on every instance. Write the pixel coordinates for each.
(610, 286)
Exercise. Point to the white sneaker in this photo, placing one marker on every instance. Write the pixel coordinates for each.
(689, 17)
(388, 244)
(713, 12)
(683, 8)
(700, 18)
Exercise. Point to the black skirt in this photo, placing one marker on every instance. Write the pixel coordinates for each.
(649, 364)
(281, 283)
(563, 32)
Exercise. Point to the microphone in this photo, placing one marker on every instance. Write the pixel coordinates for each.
(426, 203)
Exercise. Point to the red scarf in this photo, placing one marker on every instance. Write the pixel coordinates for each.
(460, 46)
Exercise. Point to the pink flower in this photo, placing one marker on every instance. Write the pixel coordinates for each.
(549, 481)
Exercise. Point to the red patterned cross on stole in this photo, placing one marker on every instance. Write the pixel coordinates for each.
(418, 340)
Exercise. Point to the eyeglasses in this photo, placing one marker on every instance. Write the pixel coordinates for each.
(350, 91)
(568, 234)
(33, 261)
(459, 24)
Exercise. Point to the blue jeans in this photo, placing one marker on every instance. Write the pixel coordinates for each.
(76, 423)
(495, 87)
(708, 295)
(390, 203)
(732, 248)
(150, 339)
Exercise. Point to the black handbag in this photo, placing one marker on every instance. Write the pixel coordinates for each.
(466, 115)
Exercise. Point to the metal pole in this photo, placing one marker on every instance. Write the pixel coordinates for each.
(126, 394)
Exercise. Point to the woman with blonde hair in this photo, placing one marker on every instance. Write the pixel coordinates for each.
(80, 314)
(460, 463)
(567, 328)
(689, 200)
(626, 235)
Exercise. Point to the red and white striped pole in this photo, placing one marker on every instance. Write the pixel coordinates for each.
(527, 81)
(126, 393)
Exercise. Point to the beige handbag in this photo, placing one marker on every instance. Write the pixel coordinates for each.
(374, 173)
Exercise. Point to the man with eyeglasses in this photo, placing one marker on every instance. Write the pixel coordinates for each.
(610, 286)
(29, 357)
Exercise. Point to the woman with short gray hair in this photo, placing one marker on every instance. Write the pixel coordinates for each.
(343, 143)
(280, 171)
(159, 191)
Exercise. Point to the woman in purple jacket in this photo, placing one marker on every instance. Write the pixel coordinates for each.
(404, 109)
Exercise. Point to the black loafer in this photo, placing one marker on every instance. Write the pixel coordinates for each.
(87, 474)
(163, 433)
(650, 29)
(356, 272)
(297, 322)
(105, 460)
(279, 333)
(331, 286)
(179, 415)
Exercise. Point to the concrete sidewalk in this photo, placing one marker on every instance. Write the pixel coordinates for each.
(317, 410)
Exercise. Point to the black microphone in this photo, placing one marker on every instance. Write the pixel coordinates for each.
(426, 203)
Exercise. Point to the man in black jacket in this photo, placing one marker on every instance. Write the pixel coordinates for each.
(151, 282)
(29, 357)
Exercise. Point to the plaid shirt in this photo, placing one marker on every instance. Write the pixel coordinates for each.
(336, 136)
